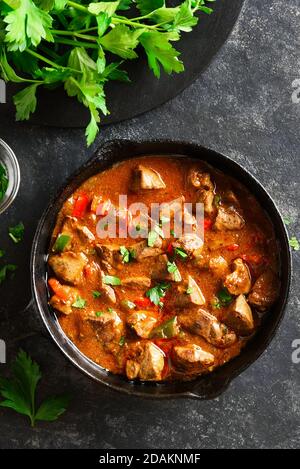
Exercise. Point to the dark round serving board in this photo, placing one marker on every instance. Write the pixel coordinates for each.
(145, 92)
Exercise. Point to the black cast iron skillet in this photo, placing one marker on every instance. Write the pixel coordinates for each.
(205, 387)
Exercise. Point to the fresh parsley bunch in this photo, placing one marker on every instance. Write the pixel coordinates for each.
(61, 42)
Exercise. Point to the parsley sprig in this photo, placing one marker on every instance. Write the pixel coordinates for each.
(19, 392)
(63, 42)
(155, 294)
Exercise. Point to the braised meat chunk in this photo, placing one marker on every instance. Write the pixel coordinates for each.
(239, 316)
(68, 266)
(142, 323)
(191, 357)
(228, 219)
(146, 178)
(265, 291)
(239, 281)
(147, 362)
(201, 322)
(189, 294)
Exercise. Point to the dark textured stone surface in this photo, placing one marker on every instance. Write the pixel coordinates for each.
(240, 106)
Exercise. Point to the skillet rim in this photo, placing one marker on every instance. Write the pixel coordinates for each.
(211, 386)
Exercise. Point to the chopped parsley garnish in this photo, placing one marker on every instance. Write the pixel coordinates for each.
(122, 341)
(79, 303)
(96, 293)
(181, 253)
(16, 233)
(156, 293)
(127, 254)
(111, 280)
(8, 268)
(3, 182)
(224, 298)
(99, 313)
(189, 291)
(173, 269)
(61, 242)
(287, 220)
(111, 310)
(152, 237)
(294, 243)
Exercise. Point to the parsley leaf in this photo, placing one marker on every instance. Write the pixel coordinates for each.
(152, 237)
(122, 341)
(25, 102)
(5, 270)
(146, 6)
(122, 41)
(111, 280)
(27, 24)
(287, 220)
(19, 392)
(173, 269)
(79, 303)
(16, 233)
(185, 19)
(126, 254)
(96, 293)
(156, 293)
(2, 253)
(160, 52)
(103, 7)
(294, 243)
(181, 253)
(224, 297)
(3, 182)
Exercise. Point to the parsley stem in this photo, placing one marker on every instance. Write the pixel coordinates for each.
(63, 20)
(77, 6)
(70, 42)
(116, 20)
(87, 30)
(58, 32)
(50, 52)
(41, 57)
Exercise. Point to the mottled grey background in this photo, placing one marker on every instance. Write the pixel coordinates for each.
(240, 106)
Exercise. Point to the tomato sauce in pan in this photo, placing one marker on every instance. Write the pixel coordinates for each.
(163, 307)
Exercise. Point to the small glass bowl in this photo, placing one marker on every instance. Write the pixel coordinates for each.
(9, 161)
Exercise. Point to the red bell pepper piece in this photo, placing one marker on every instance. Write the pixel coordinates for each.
(253, 258)
(80, 205)
(58, 288)
(232, 247)
(142, 302)
(170, 249)
(207, 224)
